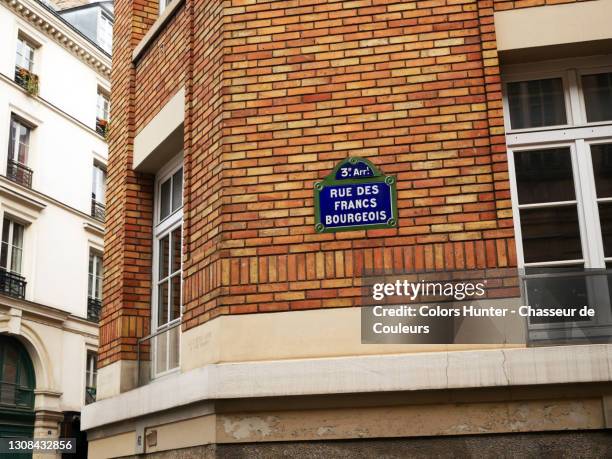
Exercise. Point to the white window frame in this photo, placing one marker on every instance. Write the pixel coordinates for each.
(91, 372)
(578, 135)
(103, 105)
(98, 183)
(161, 229)
(13, 150)
(10, 247)
(97, 277)
(19, 57)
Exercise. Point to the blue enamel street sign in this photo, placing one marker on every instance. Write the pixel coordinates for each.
(355, 196)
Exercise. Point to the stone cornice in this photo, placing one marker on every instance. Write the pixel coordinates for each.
(54, 27)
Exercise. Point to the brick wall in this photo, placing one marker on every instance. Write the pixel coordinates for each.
(414, 86)
(277, 93)
(127, 255)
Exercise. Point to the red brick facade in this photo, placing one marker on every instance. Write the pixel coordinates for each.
(277, 93)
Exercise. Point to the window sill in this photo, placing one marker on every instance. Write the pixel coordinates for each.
(155, 29)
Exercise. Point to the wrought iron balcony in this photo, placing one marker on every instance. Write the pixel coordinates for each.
(19, 173)
(94, 306)
(102, 126)
(12, 284)
(98, 210)
(27, 80)
(90, 395)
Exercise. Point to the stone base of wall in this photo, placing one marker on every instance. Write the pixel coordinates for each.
(585, 444)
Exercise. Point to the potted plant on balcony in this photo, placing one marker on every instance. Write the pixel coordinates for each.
(27, 80)
(102, 127)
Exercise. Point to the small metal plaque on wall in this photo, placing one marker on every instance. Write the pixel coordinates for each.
(355, 196)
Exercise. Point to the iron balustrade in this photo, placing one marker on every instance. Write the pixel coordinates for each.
(12, 284)
(94, 307)
(147, 349)
(19, 173)
(568, 289)
(101, 126)
(90, 395)
(27, 80)
(98, 210)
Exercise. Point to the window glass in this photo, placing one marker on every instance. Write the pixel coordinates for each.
(96, 275)
(162, 303)
(597, 90)
(175, 307)
(536, 103)
(164, 248)
(91, 377)
(176, 250)
(602, 168)
(98, 191)
(19, 143)
(550, 234)
(103, 107)
(605, 220)
(177, 190)
(17, 248)
(25, 54)
(164, 199)
(4, 250)
(544, 175)
(11, 252)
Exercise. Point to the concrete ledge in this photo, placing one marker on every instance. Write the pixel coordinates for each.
(409, 372)
(162, 137)
(551, 25)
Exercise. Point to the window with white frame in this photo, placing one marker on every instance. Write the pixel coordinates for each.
(19, 141)
(91, 377)
(11, 251)
(167, 283)
(95, 276)
(98, 190)
(105, 32)
(25, 54)
(558, 119)
(103, 106)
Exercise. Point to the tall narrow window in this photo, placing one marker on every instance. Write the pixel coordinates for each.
(24, 66)
(11, 253)
(94, 286)
(561, 171)
(18, 152)
(19, 144)
(91, 377)
(105, 32)
(102, 113)
(11, 259)
(98, 192)
(167, 294)
(25, 54)
(103, 106)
